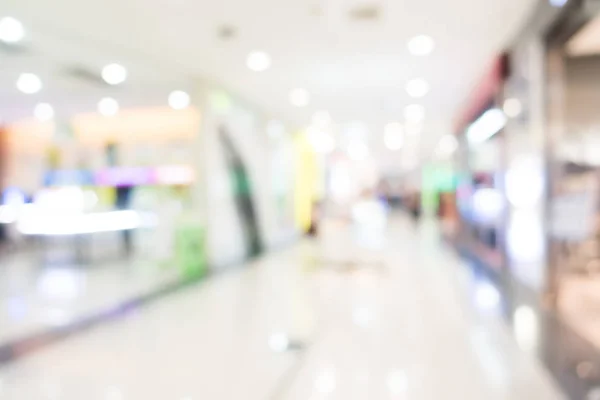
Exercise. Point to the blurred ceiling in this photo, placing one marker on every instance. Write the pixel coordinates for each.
(351, 55)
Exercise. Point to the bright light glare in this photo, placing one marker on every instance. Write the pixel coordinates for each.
(258, 61)
(178, 100)
(279, 342)
(524, 182)
(393, 136)
(37, 222)
(486, 296)
(108, 107)
(487, 204)
(558, 3)
(417, 87)
(29, 83)
(44, 112)
(299, 97)
(114, 74)
(526, 328)
(397, 382)
(358, 150)
(63, 284)
(526, 239)
(64, 199)
(8, 214)
(414, 113)
(11, 30)
(512, 107)
(486, 126)
(421, 45)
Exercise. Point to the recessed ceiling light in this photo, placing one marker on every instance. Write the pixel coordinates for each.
(114, 74)
(421, 45)
(512, 107)
(414, 113)
(258, 61)
(108, 107)
(417, 87)
(393, 136)
(178, 100)
(11, 30)
(299, 97)
(44, 112)
(29, 83)
(447, 145)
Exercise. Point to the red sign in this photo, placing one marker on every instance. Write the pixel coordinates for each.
(484, 92)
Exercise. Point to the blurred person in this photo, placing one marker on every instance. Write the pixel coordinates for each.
(415, 206)
(315, 219)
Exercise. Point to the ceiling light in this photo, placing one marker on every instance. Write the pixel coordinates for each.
(44, 112)
(11, 30)
(299, 97)
(357, 150)
(108, 107)
(513, 107)
(414, 113)
(258, 61)
(421, 45)
(486, 126)
(447, 145)
(114, 74)
(178, 100)
(29, 83)
(417, 87)
(393, 136)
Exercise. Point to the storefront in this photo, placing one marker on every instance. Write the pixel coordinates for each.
(479, 164)
(573, 65)
(551, 180)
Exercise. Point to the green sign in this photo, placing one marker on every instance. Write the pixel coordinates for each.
(190, 250)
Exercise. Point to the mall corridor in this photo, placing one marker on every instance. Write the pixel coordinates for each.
(315, 320)
(300, 200)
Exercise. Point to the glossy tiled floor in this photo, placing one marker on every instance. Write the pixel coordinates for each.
(400, 325)
(36, 296)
